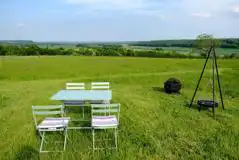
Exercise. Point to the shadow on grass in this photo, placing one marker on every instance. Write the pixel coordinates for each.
(27, 153)
(80, 123)
(3, 101)
(194, 106)
(75, 109)
(206, 109)
(80, 140)
(158, 89)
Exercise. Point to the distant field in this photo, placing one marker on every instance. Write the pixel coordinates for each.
(57, 46)
(220, 51)
(227, 51)
(153, 125)
(183, 50)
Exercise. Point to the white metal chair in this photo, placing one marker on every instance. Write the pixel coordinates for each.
(100, 86)
(75, 86)
(50, 124)
(105, 116)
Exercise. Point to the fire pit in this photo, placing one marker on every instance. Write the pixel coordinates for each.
(172, 85)
(207, 104)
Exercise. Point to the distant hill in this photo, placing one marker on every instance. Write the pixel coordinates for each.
(16, 41)
(225, 43)
(189, 43)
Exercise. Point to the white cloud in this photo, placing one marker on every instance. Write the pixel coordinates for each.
(214, 8)
(136, 7)
(21, 25)
(207, 5)
(235, 8)
(202, 15)
(152, 13)
(189, 5)
(110, 4)
(161, 8)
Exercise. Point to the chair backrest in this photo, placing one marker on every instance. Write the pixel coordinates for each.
(47, 110)
(100, 85)
(105, 109)
(75, 86)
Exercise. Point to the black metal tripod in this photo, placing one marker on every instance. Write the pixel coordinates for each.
(214, 58)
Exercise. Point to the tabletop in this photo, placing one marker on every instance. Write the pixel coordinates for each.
(65, 95)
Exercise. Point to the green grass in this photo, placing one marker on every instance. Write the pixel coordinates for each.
(153, 125)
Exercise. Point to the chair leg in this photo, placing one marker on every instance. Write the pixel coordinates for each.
(116, 137)
(93, 138)
(66, 135)
(42, 141)
(65, 110)
(39, 132)
(83, 112)
(106, 102)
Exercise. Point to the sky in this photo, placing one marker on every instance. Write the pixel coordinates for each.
(117, 20)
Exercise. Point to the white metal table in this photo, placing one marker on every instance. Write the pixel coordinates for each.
(82, 95)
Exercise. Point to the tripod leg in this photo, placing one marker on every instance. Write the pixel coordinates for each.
(213, 84)
(218, 79)
(200, 77)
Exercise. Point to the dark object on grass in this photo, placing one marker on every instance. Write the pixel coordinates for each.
(207, 103)
(172, 85)
(27, 152)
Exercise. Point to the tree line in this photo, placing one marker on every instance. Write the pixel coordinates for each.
(34, 50)
(224, 43)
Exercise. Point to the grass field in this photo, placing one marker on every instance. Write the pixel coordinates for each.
(153, 125)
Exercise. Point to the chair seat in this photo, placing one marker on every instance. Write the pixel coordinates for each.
(54, 123)
(104, 121)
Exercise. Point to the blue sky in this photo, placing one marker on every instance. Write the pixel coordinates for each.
(117, 20)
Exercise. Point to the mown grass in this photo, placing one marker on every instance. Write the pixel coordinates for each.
(153, 125)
